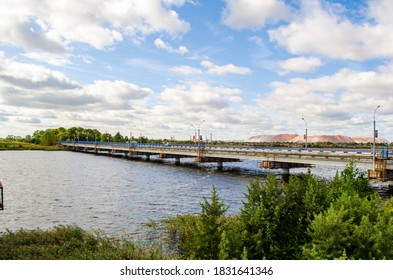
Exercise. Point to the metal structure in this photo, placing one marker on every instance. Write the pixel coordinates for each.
(268, 157)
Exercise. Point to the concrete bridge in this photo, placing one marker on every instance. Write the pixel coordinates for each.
(267, 157)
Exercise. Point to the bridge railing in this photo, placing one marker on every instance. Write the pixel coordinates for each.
(382, 152)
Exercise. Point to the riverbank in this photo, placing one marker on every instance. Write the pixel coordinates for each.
(6, 145)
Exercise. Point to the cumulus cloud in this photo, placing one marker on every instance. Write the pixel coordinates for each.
(240, 14)
(201, 96)
(165, 46)
(343, 100)
(30, 76)
(299, 65)
(324, 31)
(52, 26)
(33, 86)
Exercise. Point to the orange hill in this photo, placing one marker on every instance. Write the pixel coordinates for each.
(295, 138)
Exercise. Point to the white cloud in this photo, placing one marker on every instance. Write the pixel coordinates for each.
(323, 31)
(31, 86)
(201, 96)
(253, 13)
(299, 65)
(116, 94)
(344, 100)
(30, 76)
(213, 69)
(187, 70)
(225, 69)
(49, 58)
(52, 26)
(165, 46)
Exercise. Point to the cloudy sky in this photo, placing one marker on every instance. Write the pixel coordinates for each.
(157, 67)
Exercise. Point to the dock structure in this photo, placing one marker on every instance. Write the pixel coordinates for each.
(267, 157)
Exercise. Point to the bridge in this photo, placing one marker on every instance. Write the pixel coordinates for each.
(267, 157)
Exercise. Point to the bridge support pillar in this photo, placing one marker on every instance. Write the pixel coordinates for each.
(177, 160)
(285, 174)
(219, 165)
(147, 157)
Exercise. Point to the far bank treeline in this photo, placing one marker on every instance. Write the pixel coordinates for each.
(53, 136)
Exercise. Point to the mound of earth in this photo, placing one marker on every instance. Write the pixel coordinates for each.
(295, 138)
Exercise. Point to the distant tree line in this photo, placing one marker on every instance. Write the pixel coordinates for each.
(53, 136)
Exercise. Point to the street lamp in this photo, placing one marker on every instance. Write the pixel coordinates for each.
(374, 136)
(306, 131)
(129, 141)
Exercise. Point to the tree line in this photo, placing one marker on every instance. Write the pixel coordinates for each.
(53, 136)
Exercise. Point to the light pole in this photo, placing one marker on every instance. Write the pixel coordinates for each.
(374, 136)
(199, 132)
(129, 141)
(306, 131)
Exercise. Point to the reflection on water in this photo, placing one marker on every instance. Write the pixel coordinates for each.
(117, 196)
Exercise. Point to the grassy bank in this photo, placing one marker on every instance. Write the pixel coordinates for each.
(15, 145)
(71, 243)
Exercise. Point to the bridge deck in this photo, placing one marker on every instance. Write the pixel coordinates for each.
(284, 158)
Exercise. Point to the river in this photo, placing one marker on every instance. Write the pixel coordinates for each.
(114, 195)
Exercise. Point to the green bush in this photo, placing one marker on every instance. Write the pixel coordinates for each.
(70, 243)
(306, 218)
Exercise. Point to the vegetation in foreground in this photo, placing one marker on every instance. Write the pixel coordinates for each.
(71, 243)
(307, 218)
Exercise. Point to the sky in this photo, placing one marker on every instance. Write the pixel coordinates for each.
(163, 68)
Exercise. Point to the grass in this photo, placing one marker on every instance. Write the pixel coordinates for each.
(15, 145)
(72, 243)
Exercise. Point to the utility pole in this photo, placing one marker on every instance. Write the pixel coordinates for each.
(306, 131)
(374, 136)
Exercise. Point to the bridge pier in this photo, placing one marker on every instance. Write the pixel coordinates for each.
(177, 160)
(285, 175)
(219, 165)
(147, 157)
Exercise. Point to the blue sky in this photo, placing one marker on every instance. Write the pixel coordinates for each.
(156, 67)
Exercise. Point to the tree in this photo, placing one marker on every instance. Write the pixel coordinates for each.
(208, 234)
(351, 180)
(353, 227)
(118, 137)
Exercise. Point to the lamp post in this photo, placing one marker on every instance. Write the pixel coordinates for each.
(306, 131)
(374, 136)
(130, 140)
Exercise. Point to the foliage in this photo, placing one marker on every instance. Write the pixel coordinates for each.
(199, 236)
(13, 145)
(352, 181)
(275, 217)
(352, 228)
(71, 243)
(306, 218)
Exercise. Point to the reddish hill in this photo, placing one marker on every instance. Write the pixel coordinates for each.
(295, 138)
